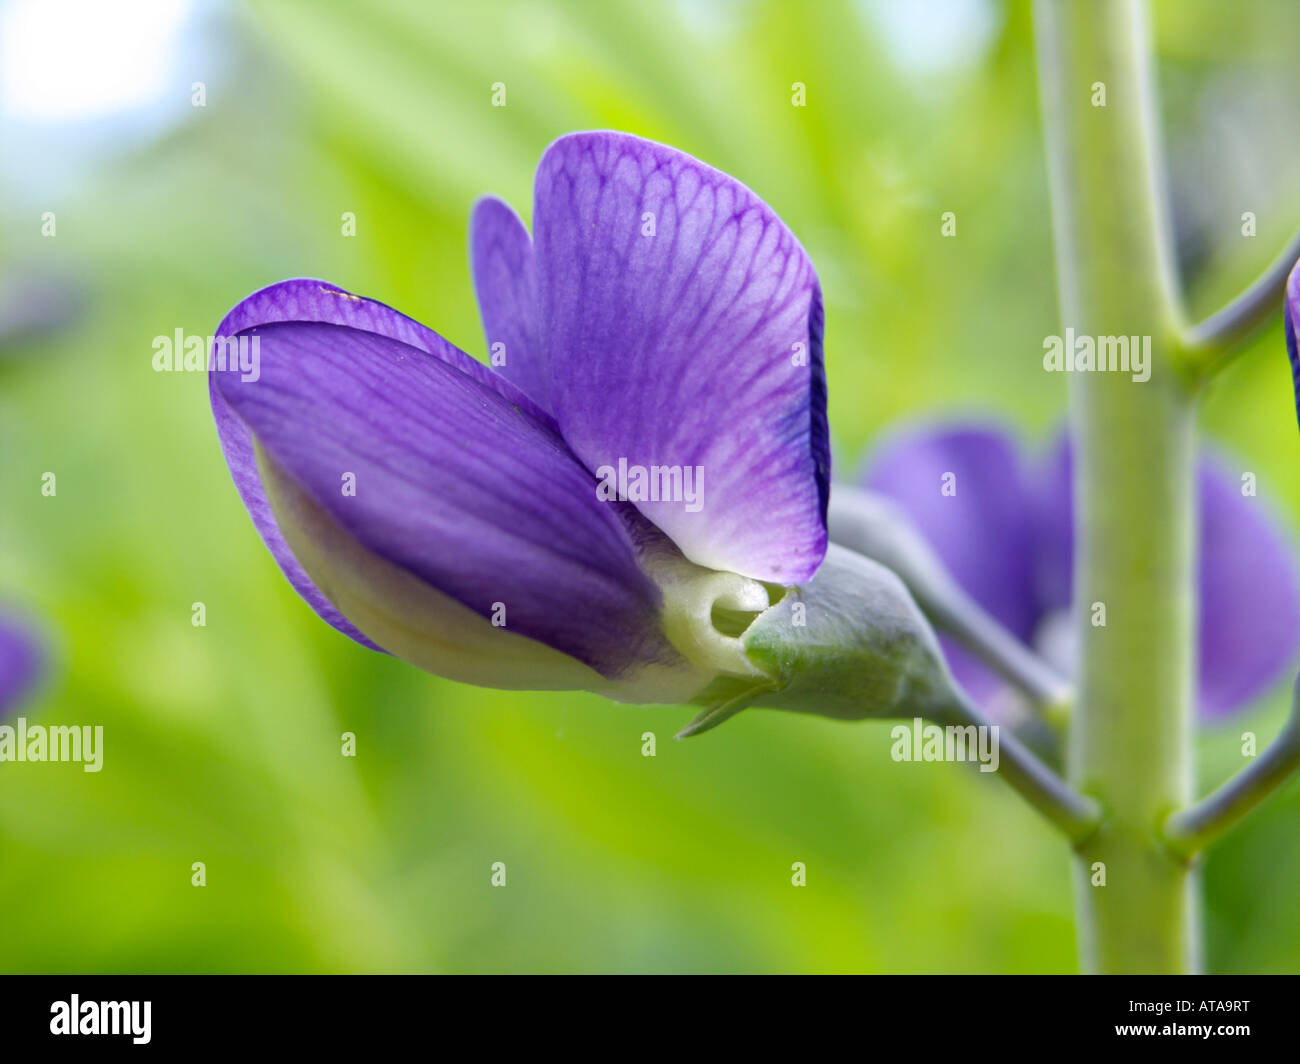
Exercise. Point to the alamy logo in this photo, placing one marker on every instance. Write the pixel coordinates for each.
(59, 742)
(656, 483)
(230, 354)
(919, 741)
(102, 1017)
(1098, 354)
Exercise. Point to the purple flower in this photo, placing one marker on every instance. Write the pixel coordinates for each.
(22, 661)
(650, 444)
(1007, 536)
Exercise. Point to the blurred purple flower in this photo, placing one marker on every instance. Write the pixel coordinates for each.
(661, 315)
(33, 305)
(22, 660)
(1007, 536)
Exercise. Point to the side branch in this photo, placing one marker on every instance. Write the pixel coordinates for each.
(1192, 829)
(1206, 345)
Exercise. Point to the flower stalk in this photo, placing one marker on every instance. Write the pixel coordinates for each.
(1129, 742)
(1192, 829)
(1075, 815)
(1208, 346)
(871, 525)
(853, 644)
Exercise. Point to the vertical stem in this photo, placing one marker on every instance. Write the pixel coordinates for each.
(1129, 742)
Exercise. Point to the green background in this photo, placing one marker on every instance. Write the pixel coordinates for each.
(222, 743)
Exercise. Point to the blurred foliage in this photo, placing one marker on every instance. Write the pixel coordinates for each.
(222, 743)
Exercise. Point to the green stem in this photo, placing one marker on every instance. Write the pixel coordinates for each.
(1129, 740)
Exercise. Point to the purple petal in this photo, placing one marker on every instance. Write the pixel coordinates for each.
(308, 300)
(1053, 515)
(983, 532)
(501, 259)
(1250, 594)
(456, 483)
(1249, 587)
(1291, 309)
(21, 662)
(698, 346)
